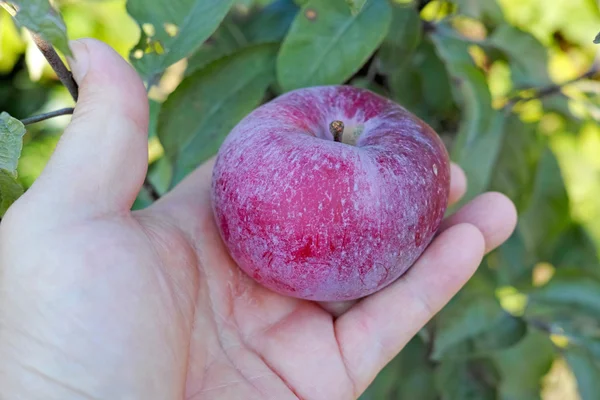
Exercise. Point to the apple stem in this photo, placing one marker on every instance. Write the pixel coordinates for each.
(337, 129)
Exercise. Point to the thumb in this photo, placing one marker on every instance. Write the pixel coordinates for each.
(101, 160)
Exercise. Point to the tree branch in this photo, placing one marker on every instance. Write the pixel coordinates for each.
(57, 64)
(551, 90)
(51, 114)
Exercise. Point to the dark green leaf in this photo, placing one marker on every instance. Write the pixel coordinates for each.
(408, 376)
(486, 10)
(514, 172)
(10, 190)
(225, 41)
(402, 39)
(197, 117)
(597, 38)
(39, 16)
(523, 366)
(469, 314)
(11, 142)
(422, 85)
(466, 380)
(172, 30)
(513, 263)
(586, 370)
(356, 5)
(271, 23)
(575, 249)
(326, 44)
(547, 213)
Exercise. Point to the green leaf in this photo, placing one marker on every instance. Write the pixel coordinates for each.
(527, 57)
(402, 39)
(466, 380)
(197, 117)
(471, 313)
(225, 41)
(523, 366)
(547, 213)
(172, 30)
(520, 153)
(38, 16)
(271, 23)
(597, 38)
(11, 142)
(575, 249)
(326, 44)
(586, 370)
(356, 5)
(482, 128)
(486, 10)
(570, 287)
(10, 190)
(410, 375)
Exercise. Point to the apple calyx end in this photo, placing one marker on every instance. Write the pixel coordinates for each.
(337, 130)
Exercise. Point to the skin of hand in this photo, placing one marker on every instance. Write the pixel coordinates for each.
(98, 302)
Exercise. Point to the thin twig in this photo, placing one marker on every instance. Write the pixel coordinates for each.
(57, 64)
(551, 90)
(51, 114)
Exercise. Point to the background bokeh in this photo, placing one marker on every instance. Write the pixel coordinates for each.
(546, 276)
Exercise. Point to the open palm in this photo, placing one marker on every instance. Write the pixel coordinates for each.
(99, 302)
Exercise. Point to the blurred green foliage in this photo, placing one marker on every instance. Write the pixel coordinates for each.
(487, 75)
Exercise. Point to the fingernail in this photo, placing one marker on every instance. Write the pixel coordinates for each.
(79, 61)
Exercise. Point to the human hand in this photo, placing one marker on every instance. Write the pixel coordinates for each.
(100, 302)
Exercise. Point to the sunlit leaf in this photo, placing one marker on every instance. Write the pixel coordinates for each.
(172, 30)
(39, 16)
(326, 44)
(11, 142)
(197, 117)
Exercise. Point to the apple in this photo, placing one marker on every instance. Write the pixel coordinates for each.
(329, 193)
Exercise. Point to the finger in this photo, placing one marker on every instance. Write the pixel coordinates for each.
(458, 183)
(492, 213)
(101, 160)
(375, 330)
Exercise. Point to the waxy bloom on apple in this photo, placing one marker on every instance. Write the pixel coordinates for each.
(329, 193)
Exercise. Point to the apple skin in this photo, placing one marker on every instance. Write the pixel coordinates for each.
(316, 219)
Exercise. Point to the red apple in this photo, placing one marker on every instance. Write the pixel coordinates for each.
(311, 217)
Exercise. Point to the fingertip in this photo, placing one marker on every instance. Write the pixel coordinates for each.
(458, 183)
(492, 213)
(507, 218)
(79, 61)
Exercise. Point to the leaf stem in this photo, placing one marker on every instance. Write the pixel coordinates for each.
(57, 64)
(51, 114)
